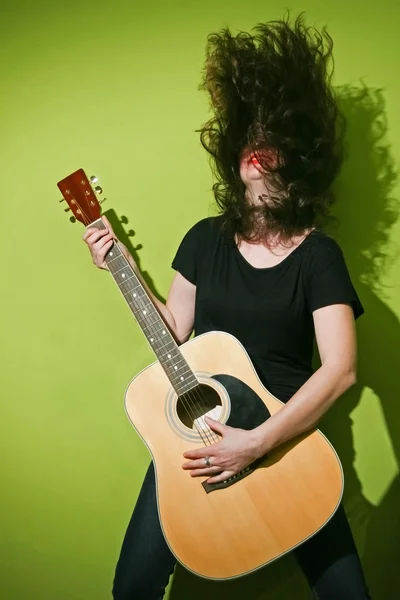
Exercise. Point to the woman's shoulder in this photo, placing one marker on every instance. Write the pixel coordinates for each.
(206, 227)
(209, 223)
(321, 245)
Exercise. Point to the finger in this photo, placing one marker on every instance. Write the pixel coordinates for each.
(88, 232)
(199, 453)
(100, 255)
(100, 249)
(91, 230)
(199, 464)
(98, 245)
(209, 471)
(107, 222)
(93, 235)
(217, 426)
(221, 477)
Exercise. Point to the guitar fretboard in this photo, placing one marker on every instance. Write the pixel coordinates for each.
(156, 332)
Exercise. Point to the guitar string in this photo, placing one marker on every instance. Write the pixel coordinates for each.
(188, 399)
(192, 395)
(207, 431)
(210, 435)
(154, 333)
(151, 324)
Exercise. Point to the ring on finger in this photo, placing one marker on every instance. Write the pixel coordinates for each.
(207, 461)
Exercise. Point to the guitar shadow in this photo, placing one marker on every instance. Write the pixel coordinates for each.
(366, 211)
(125, 236)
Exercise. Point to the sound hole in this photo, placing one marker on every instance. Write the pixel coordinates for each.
(192, 406)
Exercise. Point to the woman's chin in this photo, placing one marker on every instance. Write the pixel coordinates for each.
(250, 174)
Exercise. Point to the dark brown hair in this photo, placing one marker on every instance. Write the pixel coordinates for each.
(272, 91)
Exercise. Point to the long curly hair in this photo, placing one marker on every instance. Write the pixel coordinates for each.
(271, 94)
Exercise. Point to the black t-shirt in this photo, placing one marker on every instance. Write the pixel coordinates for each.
(269, 310)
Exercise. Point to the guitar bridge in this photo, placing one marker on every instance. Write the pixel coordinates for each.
(221, 485)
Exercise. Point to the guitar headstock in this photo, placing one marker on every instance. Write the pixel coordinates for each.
(81, 196)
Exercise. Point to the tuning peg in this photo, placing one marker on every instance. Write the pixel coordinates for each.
(67, 209)
(98, 189)
(94, 179)
(62, 200)
(102, 200)
(72, 219)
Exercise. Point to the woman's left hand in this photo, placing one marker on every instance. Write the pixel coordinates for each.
(236, 449)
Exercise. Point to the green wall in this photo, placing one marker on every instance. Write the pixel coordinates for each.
(113, 88)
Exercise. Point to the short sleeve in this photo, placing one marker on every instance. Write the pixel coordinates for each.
(187, 257)
(329, 280)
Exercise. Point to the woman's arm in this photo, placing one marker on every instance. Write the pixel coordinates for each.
(336, 340)
(237, 448)
(180, 304)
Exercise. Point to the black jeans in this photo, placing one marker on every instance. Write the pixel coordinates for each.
(329, 560)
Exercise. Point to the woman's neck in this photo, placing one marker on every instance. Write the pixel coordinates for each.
(257, 195)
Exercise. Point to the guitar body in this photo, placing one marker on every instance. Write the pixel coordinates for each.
(229, 531)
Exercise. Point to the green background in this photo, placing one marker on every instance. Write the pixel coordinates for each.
(112, 88)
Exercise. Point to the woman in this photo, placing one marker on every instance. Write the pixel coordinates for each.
(265, 273)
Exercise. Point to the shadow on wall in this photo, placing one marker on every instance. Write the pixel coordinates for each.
(366, 212)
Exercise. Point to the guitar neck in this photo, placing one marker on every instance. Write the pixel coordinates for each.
(149, 319)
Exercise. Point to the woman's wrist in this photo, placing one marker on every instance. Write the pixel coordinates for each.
(259, 441)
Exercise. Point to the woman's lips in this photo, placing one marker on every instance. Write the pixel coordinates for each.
(268, 157)
(255, 161)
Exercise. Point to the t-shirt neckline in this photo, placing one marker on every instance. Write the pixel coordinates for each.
(286, 258)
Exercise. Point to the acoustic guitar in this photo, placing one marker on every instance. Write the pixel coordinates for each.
(228, 529)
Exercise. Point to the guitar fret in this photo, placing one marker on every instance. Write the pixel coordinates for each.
(184, 371)
(190, 386)
(155, 338)
(145, 313)
(144, 327)
(189, 382)
(177, 362)
(134, 290)
(125, 280)
(137, 301)
(159, 348)
(177, 382)
(182, 391)
(169, 345)
(118, 270)
(181, 384)
(110, 261)
(180, 373)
